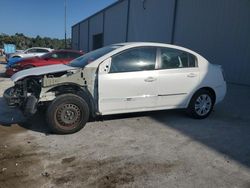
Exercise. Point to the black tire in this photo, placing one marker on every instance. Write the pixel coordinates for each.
(68, 113)
(198, 110)
(31, 106)
(16, 57)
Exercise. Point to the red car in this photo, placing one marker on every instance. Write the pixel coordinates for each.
(54, 57)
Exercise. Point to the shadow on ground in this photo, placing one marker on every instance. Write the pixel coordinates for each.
(13, 116)
(37, 123)
(226, 131)
(229, 138)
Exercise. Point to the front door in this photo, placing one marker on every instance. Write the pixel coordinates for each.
(129, 82)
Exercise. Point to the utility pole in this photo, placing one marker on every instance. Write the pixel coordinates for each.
(65, 25)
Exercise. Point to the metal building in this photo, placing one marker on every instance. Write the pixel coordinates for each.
(219, 30)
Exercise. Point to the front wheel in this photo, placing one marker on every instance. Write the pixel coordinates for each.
(201, 104)
(68, 113)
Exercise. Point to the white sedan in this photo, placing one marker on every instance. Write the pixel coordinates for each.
(31, 52)
(120, 78)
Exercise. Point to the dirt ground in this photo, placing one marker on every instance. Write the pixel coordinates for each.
(155, 149)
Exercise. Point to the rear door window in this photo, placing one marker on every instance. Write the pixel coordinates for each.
(174, 59)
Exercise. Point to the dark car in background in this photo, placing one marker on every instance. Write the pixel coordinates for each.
(52, 58)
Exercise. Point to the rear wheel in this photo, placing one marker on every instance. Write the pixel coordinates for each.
(201, 104)
(68, 113)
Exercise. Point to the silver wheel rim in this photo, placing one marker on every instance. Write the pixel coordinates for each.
(203, 105)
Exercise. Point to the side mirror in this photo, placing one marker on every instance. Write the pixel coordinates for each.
(105, 66)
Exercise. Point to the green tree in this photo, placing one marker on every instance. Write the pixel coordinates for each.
(23, 42)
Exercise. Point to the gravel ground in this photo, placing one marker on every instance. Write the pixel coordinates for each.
(156, 149)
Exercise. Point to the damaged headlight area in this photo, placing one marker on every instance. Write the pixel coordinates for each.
(24, 94)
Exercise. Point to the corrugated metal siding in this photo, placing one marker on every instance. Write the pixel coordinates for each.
(75, 34)
(83, 37)
(220, 30)
(95, 27)
(151, 20)
(115, 23)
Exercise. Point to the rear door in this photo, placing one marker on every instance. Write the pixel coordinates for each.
(178, 77)
(128, 83)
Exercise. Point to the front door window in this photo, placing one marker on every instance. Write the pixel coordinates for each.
(138, 59)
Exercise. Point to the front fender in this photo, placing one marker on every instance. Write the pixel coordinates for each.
(49, 94)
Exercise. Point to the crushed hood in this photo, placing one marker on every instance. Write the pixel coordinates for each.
(41, 71)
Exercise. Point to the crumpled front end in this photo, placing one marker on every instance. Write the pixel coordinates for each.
(12, 97)
(31, 91)
(24, 95)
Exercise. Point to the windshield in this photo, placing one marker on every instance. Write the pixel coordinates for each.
(86, 59)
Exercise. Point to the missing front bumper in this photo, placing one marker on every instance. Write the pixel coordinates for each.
(9, 97)
(28, 105)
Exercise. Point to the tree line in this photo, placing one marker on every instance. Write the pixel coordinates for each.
(23, 42)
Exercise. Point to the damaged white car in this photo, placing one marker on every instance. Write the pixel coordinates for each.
(120, 78)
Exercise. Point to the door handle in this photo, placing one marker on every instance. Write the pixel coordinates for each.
(150, 79)
(191, 75)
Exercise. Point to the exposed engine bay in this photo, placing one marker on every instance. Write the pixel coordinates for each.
(23, 89)
(31, 92)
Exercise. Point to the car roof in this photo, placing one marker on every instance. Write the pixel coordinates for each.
(154, 44)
